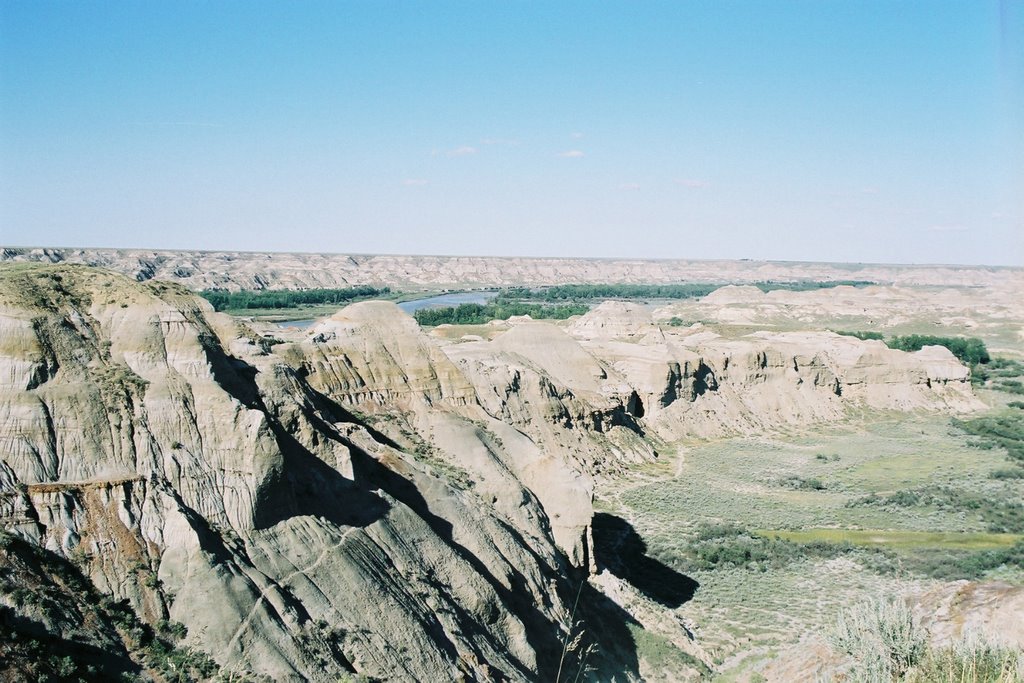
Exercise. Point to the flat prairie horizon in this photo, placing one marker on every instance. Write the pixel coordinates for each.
(64, 248)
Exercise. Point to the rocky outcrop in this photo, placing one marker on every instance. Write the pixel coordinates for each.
(994, 312)
(363, 497)
(213, 478)
(962, 610)
(690, 381)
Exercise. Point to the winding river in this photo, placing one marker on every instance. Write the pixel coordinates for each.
(410, 307)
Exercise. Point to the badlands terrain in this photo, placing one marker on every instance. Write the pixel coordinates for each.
(701, 489)
(258, 270)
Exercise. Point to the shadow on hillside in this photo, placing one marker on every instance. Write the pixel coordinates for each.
(610, 629)
(304, 485)
(63, 625)
(619, 549)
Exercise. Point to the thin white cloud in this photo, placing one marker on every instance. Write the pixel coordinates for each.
(629, 186)
(576, 136)
(505, 142)
(415, 182)
(463, 151)
(948, 228)
(572, 154)
(869, 190)
(693, 183)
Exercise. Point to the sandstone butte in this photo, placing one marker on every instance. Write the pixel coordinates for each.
(365, 497)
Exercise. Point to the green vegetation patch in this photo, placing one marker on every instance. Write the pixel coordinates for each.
(801, 484)
(970, 350)
(289, 298)
(1004, 431)
(621, 291)
(999, 514)
(810, 285)
(478, 314)
(691, 290)
(951, 564)
(1002, 374)
(729, 546)
(896, 539)
(939, 555)
(661, 654)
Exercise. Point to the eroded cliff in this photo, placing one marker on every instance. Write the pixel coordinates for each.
(365, 497)
(185, 466)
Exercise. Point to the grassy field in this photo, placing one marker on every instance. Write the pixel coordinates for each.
(782, 531)
(750, 480)
(900, 540)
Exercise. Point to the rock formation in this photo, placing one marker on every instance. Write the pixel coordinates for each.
(362, 496)
(186, 467)
(253, 270)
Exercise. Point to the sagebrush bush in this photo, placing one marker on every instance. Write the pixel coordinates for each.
(883, 639)
(972, 660)
(886, 644)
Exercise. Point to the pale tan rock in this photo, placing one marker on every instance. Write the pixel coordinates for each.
(965, 610)
(365, 490)
(156, 440)
(255, 270)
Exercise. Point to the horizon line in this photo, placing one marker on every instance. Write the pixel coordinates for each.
(653, 259)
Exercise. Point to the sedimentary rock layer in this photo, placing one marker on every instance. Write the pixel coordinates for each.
(255, 270)
(364, 496)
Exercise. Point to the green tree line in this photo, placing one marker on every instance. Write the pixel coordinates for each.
(631, 291)
(477, 314)
(809, 285)
(969, 350)
(287, 298)
(575, 292)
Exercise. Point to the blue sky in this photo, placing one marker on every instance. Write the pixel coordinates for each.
(814, 130)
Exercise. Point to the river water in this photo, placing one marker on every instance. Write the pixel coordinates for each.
(410, 307)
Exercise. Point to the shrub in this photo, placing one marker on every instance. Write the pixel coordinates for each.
(801, 484)
(886, 643)
(717, 546)
(1000, 515)
(973, 660)
(882, 637)
(174, 629)
(64, 667)
(864, 336)
(955, 566)
(1006, 431)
